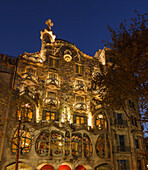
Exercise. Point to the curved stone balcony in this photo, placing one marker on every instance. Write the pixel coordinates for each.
(52, 82)
(81, 106)
(52, 101)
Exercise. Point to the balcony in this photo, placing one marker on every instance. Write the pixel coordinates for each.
(53, 82)
(121, 122)
(51, 101)
(80, 106)
(29, 78)
(123, 149)
(80, 88)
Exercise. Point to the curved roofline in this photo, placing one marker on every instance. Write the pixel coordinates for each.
(85, 55)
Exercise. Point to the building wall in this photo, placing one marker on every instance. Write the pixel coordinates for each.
(61, 122)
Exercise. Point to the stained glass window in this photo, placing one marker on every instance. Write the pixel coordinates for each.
(25, 112)
(56, 147)
(77, 145)
(25, 141)
(101, 122)
(87, 145)
(103, 146)
(100, 146)
(42, 143)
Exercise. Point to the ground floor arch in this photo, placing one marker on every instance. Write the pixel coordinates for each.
(80, 167)
(21, 166)
(47, 167)
(103, 167)
(64, 167)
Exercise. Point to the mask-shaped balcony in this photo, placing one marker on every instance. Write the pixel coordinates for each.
(52, 82)
(28, 77)
(81, 106)
(80, 88)
(51, 101)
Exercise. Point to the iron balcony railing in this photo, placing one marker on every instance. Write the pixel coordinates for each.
(121, 122)
(123, 149)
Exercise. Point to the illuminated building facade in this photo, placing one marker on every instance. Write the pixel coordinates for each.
(61, 124)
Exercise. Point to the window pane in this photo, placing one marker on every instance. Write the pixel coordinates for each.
(42, 143)
(25, 141)
(56, 143)
(87, 145)
(101, 122)
(76, 145)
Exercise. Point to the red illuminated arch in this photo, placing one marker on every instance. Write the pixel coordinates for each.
(47, 167)
(80, 167)
(64, 167)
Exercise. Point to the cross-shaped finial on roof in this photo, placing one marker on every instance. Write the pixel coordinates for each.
(49, 23)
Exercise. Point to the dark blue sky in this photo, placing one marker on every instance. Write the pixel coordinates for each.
(82, 22)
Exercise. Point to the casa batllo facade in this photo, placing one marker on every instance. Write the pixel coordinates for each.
(61, 125)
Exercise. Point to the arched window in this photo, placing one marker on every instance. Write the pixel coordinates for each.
(103, 146)
(25, 112)
(46, 38)
(56, 143)
(101, 121)
(77, 145)
(67, 143)
(87, 145)
(42, 143)
(100, 146)
(25, 141)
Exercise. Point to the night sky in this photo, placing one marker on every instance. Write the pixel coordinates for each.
(82, 22)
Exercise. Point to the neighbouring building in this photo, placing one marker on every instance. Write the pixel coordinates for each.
(53, 115)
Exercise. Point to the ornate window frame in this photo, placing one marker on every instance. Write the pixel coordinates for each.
(25, 112)
(79, 69)
(103, 146)
(49, 115)
(101, 121)
(43, 143)
(77, 144)
(25, 141)
(88, 149)
(56, 144)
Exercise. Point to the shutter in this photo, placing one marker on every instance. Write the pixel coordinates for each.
(57, 63)
(125, 140)
(77, 71)
(85, 120)
(74, 118)
(51, 62)
(118, 142)
(57, 116)
(127, 165)
(44, 115)
(82, 69)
